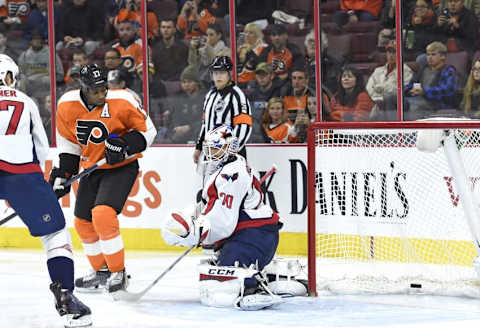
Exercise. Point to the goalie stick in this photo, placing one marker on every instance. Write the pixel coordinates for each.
(124, 295)
(85, 172)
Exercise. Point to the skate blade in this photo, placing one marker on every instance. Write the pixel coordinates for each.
(70, 322)
(124, 295)
(95, 290)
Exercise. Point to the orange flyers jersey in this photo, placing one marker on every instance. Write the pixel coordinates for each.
(132, 55)
(282, 133)
(281, 61)
(83, 132)
(295, 102)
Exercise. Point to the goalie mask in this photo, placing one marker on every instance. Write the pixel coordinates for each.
(219, 144)
(8, 65)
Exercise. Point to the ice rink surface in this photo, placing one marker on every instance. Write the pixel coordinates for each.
(26, 302)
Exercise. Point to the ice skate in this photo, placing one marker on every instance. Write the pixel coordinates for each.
(95, 281)
(117, 283)
(73, 312)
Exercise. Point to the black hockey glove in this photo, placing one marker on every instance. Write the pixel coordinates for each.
(115, 149)
(68, 167)
(57, 179)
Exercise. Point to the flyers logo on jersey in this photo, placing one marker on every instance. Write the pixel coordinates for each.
(93, 131)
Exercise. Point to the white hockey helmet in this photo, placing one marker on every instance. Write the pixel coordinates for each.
(8, 65)
(219, 144)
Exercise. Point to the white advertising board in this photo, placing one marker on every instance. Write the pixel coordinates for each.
(168, 180)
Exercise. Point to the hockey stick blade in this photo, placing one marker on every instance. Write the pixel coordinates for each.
(67, 183)
(125, 295)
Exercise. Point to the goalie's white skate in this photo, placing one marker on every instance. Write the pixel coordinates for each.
(258, 301)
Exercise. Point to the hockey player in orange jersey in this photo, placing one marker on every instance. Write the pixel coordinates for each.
(93, 123)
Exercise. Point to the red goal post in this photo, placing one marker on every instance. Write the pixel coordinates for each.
(425, 239)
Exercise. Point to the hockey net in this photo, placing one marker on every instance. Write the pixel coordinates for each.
(387, 217)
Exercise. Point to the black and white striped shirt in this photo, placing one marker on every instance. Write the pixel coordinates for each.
(227, 106)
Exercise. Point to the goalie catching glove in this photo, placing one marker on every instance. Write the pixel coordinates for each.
(183, 228)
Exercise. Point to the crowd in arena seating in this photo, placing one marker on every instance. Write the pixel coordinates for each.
(275, 57)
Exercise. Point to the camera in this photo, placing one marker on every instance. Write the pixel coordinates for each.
(131, 5)
(446, 12)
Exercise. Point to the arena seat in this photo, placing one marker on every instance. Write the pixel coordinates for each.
(339, 46)
(459, 60)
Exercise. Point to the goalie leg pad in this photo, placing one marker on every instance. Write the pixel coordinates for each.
(223, 286)
(286, 277)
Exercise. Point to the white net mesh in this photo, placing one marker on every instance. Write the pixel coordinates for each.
(389, 218)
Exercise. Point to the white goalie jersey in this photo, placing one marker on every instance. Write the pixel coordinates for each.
(234, 201)
(23, 141)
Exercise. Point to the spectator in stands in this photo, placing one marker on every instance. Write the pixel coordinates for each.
(203, 49)
(38, 19)
(14, 13)
(79, 59)
(112, 59)
(184, 110)
(169, 54)
(473, 5)
(131, 49)
(117, 79)
(73, 78)
(351, 102)
(433, 86)
(387, 20)
(382, 86)
(43, 100)
(34, 65)
(4, 46)
(251, 50)
(420, 29)
(276, 125)
(471, 94)
(330, 66)
(132, 12)
(281, 54)
(259, 92)
(295, 92)
(79, 27)
(457, 27)
(194, 18)
(305, 117)
(353, 11)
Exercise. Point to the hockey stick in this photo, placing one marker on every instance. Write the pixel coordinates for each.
(67, 183)
(124, 295)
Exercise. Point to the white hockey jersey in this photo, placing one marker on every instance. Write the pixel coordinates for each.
(234, 201)
(23, 141)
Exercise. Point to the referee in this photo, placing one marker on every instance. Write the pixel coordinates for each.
(225, 103)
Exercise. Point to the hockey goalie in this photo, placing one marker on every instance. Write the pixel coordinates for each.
(243, 230)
